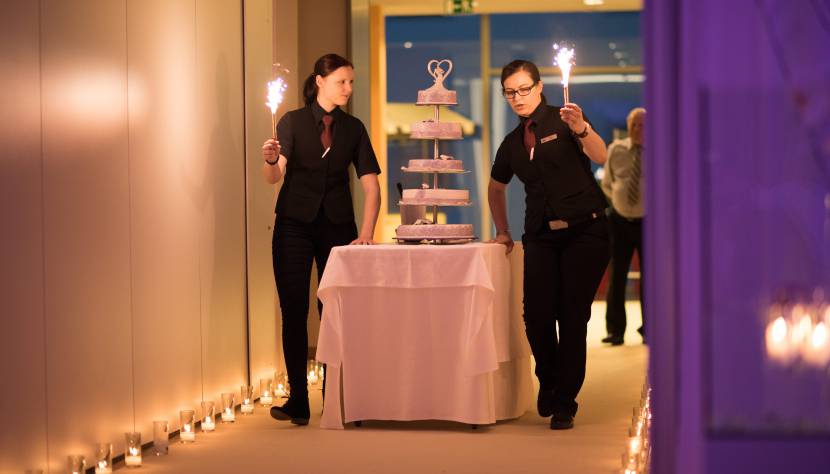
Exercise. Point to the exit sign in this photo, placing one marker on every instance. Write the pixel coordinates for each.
(460, 7)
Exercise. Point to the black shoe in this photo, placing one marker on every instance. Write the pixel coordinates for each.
(544, 403)
(295, 409)
(613, 340)
(561, 421)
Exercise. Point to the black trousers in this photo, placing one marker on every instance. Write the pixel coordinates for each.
(294, 246)
(562, 270)
(626, 236)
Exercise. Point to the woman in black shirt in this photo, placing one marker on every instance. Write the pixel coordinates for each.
(317, 143)
(565, 237)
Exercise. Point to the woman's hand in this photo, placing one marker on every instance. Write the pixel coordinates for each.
(271, 150)
(571, 114)
(363, 240)
(505, 239)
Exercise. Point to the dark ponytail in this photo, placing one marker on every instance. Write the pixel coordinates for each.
(521, 65)
(324, 66)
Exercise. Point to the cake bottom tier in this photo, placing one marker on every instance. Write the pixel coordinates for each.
(434, 231)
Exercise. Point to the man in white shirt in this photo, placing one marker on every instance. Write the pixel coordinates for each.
(623, 185)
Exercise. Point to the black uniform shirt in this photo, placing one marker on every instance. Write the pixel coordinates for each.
(558, 181)
(313, 181)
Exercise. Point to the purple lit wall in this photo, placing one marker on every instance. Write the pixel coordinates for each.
(739, 171)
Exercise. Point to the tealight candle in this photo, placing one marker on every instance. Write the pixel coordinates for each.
(265, 392)
(312, 377)
(247, 393)
(161, 437)
(281, 392)
(802, 330)
(208, 412)
(103, 458)
(187, 433)
(132, 453)
(228, 404)
(777, 340)
(76, 464)
(816, 350)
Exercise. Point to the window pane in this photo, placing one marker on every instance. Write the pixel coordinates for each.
(600, 39)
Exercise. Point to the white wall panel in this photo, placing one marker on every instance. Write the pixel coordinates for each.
(165, 217)
(123, 201)
(218, 191)
(23, 436)
(86, 203)
(263, 310)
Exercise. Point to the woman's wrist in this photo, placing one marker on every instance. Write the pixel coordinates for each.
(584, 132)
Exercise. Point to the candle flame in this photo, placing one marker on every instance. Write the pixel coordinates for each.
(186, 428)
(276, 89)
(102, 464)
(802, 331)
(779, 330)
(133, 451)
(819, 339)
(564, 59)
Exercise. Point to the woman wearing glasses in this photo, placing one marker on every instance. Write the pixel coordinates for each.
(565, 236)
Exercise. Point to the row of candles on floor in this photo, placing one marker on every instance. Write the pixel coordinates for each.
(637, 455)
(269, 390)
(799, 332)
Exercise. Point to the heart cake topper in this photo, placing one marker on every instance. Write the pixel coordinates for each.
(435, 70)
(437, 94)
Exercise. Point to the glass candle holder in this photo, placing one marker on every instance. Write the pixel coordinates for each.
(228, 407)
(161, 437)
(103, 458)
(76, 464)
(281, 385)
(187, 430)
(312, 376)
(132, 449)
(265, 394)
(247, 394)
(208, 414)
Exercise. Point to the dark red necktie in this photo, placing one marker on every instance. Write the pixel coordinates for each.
(529, 137)
(325, 137)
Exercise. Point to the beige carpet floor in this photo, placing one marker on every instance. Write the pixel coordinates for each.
(258, 444)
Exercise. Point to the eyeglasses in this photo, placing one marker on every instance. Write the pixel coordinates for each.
(522, 91)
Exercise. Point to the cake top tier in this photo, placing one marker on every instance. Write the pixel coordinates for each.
(437, 94)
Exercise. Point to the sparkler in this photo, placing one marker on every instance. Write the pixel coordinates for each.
(564, 59)
(276, 90)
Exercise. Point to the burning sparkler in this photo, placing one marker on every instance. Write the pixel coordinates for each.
(564, 59)
(276, 93)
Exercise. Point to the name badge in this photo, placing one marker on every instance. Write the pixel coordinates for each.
(549, 138)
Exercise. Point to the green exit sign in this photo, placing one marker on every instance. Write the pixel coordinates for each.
(460, 7)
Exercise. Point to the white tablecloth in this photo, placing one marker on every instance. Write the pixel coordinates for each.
(423, 332)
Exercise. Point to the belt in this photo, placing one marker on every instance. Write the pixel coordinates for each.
(560, 224)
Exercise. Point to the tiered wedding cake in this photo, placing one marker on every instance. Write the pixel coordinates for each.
(423, 229)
